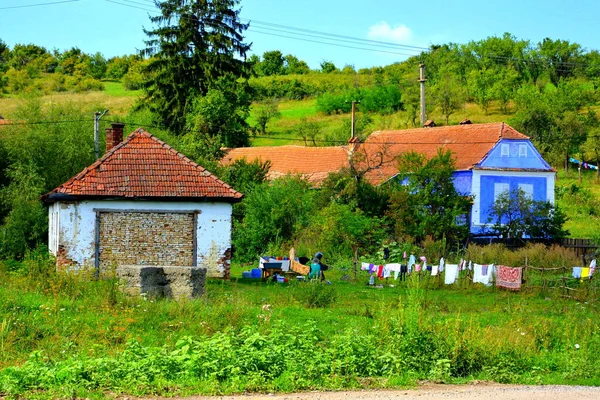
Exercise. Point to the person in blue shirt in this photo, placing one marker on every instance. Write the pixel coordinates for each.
(317, 267)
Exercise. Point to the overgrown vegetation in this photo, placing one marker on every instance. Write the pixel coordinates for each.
(67, 335)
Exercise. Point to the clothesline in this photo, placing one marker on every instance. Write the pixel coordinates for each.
(582, 164)
(507, 277)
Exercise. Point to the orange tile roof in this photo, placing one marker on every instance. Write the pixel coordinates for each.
(312, 163)
(144, 166)
(468, 143)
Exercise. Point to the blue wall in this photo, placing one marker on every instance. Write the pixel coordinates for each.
(462, 182)
(487, 190)
(533, 160)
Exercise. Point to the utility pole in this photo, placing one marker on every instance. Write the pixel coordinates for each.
(353, 133)
(97, 116)
(422, 81)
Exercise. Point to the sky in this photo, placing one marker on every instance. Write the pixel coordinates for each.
(359, 33)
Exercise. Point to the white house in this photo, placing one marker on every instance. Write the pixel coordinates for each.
(143, 203)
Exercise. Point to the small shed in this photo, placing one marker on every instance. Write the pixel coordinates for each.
(143, 203)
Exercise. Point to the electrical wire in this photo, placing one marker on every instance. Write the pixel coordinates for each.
(43, 122)
(39, 4)
(331, 44)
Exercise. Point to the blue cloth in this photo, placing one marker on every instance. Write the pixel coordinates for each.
(315, 271)
(577, 272)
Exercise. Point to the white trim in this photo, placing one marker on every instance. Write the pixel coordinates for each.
(504, 150)
(523, 150)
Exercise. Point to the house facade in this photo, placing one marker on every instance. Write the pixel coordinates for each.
(489, 159)
(143, 203)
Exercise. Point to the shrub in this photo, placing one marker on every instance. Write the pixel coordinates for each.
(274, 212)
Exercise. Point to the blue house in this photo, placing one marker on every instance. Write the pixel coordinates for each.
(490, 159)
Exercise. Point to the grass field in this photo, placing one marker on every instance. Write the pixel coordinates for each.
(66, 335)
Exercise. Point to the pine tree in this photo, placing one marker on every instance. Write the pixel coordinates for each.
(194, 44)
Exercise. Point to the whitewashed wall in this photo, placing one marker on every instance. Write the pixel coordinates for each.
(73, 227)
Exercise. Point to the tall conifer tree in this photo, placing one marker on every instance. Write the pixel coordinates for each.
(194, 44)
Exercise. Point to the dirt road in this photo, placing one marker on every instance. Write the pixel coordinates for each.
(445, 392)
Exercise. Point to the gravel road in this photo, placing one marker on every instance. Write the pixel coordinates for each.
(431, 392)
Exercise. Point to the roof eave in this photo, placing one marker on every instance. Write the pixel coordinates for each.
(64, 197)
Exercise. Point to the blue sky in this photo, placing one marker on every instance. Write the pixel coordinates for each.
(115, 27)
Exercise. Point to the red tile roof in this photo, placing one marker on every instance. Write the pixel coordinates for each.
(468, 143)
(312, 163)
(144, 166)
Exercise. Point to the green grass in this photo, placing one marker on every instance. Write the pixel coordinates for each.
(67, 335)
(116, 89)
(583, 206)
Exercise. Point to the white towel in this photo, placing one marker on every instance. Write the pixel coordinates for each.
(434, 270)
(479, 277)
(442, 264)
(451, 273)
(394, 267)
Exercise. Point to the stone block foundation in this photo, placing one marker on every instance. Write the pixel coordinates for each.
(163, 281)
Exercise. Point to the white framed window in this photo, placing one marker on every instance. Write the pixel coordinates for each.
(522, 150)
(504, 150)
(500, 188)
(527, 188)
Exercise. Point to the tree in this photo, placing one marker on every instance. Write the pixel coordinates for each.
(264, 113)
(428, 205)
(307, 130)
(448, 94)
(194, 44)
(560, 58)
(292, 65)
(516, 215)
(220, 116)
(505, 86)
(480, 87)
(272, 63)
(274, 212)
(328, 67)
(4, 56)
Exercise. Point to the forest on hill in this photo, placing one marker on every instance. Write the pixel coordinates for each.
(201, 101)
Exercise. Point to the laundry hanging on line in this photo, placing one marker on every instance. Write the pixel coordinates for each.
(509, 277)
(582, 164)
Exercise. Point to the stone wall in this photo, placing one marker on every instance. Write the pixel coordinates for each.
(146, 238)
(163, 281)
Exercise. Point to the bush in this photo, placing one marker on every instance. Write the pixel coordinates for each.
(274, 212)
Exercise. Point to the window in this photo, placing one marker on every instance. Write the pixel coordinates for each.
(504, 150)
(527, 189)
(499, 188)
(522, 150)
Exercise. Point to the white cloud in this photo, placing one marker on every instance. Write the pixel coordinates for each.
(383, 31)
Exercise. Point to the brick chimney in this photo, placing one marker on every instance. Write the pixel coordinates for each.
(114, 135)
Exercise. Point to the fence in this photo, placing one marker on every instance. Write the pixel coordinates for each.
(583, 248)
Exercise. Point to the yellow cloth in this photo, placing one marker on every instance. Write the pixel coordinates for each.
(585, 272)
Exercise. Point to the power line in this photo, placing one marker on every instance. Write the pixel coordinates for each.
(39, 4)
(331, 44)
(42, 122)
(304, 36)
(268, 28)
(333, 35)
